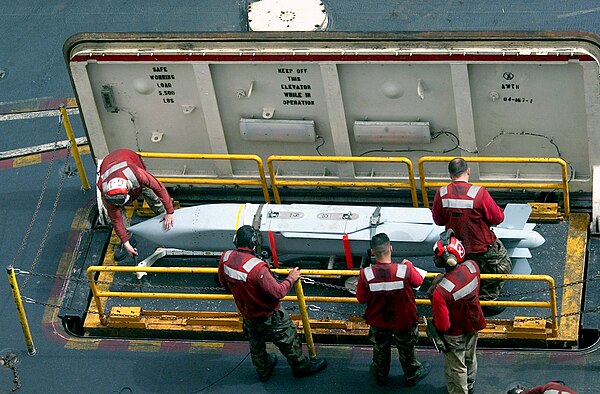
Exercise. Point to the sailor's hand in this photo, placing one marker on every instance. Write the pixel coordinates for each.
(130, 249)
(404, 261)
(434, 284)
(294, 274)
(168, 221)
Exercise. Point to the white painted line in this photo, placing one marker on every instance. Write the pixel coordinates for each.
(40, 148)
(37, 114)
(577, 13)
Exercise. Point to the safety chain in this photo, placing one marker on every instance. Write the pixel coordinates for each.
(9, 360)
(116, 282)
(46, 304)
(39, 203)
(311, 281)
(316, 308)
(549, 318)
(556, 287)
(306, 280)
(309, 307)
(29, 300)
(51, 218)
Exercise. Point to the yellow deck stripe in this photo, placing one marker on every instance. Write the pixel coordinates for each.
(27, 160)
(82, 344)
(146, 346)
(84, 150)
(237, 219)
(64, 267)
(206, 347)
(574, 271)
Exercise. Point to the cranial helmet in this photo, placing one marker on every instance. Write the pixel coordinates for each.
(449, 248)
(246, 236)
(117, 192)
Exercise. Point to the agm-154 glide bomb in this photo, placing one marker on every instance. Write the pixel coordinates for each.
(298, 231)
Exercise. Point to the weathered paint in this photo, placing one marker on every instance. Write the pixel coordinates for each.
(574, 271)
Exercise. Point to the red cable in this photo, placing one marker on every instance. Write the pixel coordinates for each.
(273, 249)
(347, 251)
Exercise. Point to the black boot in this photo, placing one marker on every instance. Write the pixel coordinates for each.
(316, 365)
(422, 374)
(379, 379)
(266, 374)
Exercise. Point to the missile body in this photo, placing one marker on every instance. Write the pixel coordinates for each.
(319, 230)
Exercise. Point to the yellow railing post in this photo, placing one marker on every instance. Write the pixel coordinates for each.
(74, 149)
(553, 308)
(94, 288)
(12, 279)
(305, 321)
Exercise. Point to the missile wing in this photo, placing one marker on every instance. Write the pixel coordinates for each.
(322, 230)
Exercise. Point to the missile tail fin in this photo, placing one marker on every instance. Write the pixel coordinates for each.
(515, 216)
(520, 266)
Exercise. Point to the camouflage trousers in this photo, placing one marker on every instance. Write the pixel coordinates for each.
(460, 368)
(153, 202)
(405, 342)
(279, 329)
(493, 261)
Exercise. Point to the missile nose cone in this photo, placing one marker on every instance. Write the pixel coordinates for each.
(536, 239)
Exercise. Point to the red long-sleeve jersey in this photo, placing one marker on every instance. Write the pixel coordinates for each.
(455, 302)
(125, 163)
(550, 388)
(256, 292)
(470, 211)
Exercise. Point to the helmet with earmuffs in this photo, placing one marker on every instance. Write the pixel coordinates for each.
(246, 237)
(449, 248)
(116, 191)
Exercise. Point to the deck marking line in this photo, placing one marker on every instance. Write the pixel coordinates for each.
(37, 114)
(577, 13)
(175, 347)
(36, 104)
(574, 270)
(50, 147)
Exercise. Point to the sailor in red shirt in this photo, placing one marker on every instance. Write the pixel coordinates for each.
(457, 314)
(470, 211)
(555, 387)
(123, 178)
(257, 295)
(387, 289)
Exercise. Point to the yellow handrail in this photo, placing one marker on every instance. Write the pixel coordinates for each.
(213, 181)
(275, 182)
(300, 298)
(564, 185)
(74, 149)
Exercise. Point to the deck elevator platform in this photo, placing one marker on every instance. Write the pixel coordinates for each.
(180, 296)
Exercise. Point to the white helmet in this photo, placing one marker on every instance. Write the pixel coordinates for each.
(117, 192)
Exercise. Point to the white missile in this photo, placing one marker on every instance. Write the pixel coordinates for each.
(311, 230)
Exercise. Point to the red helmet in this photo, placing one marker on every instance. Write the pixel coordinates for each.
(453, 248)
